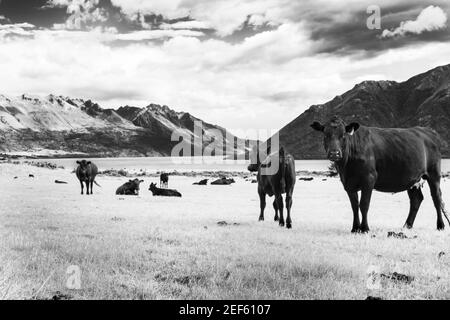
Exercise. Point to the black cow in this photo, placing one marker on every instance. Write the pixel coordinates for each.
(86, 172)
(164, 180)
(202, 182)
(163, 192)
(223, 181)
(130, 188)
(387, 160)
(277, 183)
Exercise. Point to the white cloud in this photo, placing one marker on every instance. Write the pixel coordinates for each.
(81, 13)
(430, 19)
(263, 82)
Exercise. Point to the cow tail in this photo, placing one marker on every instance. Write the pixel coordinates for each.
(282, 169)
(97, 184)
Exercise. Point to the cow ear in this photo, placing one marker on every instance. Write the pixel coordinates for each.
(78, 162)
(317, 126)
(141, 180)
(351, 128)
(88, 162)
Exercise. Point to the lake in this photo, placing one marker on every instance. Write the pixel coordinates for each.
(154, 164)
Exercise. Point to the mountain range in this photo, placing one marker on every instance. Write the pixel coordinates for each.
(423, 100)
(57, 125)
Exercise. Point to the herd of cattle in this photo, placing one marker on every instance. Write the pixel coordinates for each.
(366, 158)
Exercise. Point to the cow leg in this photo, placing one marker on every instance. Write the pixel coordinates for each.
(279, 200)
(436, 194)
(262, 204)
(92, 185)
(275, 207)
(366, 195)
(87, 187)
(82, 187)
(353, 196)
(415, 199)
(288, 209)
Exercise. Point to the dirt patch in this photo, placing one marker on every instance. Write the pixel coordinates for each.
(399, 235)
(224, 223)
(398, 277)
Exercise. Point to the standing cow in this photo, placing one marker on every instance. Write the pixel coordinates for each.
(164, 180)
(387, 160)
(276, 183)
(86, 172)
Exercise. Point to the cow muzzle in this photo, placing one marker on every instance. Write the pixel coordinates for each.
(335, 155)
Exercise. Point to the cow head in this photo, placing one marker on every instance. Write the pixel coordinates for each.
(136, 183)
(336, 133)
(152, 186)
(84, 166)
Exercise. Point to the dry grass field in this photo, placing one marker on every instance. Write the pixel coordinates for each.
(146, 247)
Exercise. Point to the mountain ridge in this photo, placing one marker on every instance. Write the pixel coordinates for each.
(423, 100)
(59, 123)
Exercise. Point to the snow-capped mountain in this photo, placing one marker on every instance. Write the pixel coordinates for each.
(56, 123)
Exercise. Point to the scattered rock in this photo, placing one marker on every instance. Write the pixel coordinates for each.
(60, 182)
(399, 235)
(398, 277)
(61, 296)
(441, 254)
(116, 219)
(373, 298)
(224, 223)
(188, 280)
(31, 175)
(16, 177)
(226, 275)
(306, 178)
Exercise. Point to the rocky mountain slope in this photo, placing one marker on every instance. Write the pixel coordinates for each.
(423, 100)
(54, 123)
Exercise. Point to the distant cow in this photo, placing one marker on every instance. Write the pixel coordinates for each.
(203, 182)
(163, 192)
(387, 160)
(164, 180)
(223, 181)
(276, 183)
(86, 172)
(130, 188)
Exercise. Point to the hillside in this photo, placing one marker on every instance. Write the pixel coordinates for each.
(423, 100)
(58, 125)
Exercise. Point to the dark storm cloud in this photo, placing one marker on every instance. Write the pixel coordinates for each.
(353, 36)
(31, 11)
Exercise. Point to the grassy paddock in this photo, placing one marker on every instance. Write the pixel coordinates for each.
(155, 248)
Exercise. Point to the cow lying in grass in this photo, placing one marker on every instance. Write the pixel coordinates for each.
(223, 181)
(163, 192)
(203, 182)
(130, 188)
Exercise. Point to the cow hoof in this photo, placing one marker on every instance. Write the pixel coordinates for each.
(281, 223)
(261, 219)
(355, 230)
(276, 218)
(288, 225)
(440, 227)
(408, 226)
(364, 230)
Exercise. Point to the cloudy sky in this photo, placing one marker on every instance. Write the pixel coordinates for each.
(241, 64)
